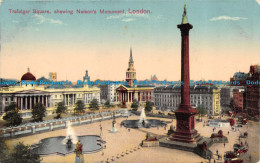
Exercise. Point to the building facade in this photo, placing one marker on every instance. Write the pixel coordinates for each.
(251, 82)
(168, 98)
(108, 92)
(26, 96)
(253, 92)
(126, 94)
(239, 100)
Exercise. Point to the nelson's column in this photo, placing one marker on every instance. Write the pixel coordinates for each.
(185, 137)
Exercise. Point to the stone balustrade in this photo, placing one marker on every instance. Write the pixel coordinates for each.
(55, 124)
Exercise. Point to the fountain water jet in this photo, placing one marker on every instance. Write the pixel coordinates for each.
(143, 122)
(142, 116)
(70, 135)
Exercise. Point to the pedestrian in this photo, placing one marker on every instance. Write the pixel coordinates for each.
(228, 132)
(218, 157)
(224, 144)
(217, 152)
(129, 130)
(214, 161)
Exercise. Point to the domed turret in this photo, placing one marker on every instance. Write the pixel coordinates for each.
(28, 76)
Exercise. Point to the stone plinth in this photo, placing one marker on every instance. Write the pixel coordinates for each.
(146, 143)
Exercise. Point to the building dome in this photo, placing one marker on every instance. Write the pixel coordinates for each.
(28, 76)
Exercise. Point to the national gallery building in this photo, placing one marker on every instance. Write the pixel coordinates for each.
(27, 95)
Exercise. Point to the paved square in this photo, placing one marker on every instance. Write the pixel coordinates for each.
(124, 142)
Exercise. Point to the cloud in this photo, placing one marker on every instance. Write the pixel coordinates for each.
(115, 16)
(43, 19)
(227, 18)
(258, 1)
(128, 19)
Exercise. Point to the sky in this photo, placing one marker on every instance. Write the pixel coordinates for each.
(224, 39)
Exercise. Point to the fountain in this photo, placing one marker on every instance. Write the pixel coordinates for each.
(143, 122)
(63, 145)
(69, 143)
(70, 135)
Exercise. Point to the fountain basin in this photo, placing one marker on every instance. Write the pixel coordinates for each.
(148, 123)
(56, 145)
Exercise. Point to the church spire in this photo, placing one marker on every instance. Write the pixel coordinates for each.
(131, 57)
(184, 17)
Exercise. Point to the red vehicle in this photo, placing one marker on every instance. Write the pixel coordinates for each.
(240, 148)
(232, 157)
(243, 120)
(231, 121)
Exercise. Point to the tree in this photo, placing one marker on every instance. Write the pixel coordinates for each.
(201, 110)
(22, 153)
(12, 115)
(3, 149)
(135, 105)
(38, 112)
(61, 108)
(107, 104)
(79, 107)
(94, 105)
(149, 106)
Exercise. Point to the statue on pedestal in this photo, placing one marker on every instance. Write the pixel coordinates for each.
(79, 156)
(113, 130)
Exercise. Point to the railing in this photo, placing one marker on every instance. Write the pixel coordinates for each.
(55, 124)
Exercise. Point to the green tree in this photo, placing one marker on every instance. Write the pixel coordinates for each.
(135, 105)
(23, 154)
(94, 105)
(202, 110)
(38, 112)
(149, 106)
(61, 108)
(12, 115)
(3, 149)
(107, 104)
(79, 107)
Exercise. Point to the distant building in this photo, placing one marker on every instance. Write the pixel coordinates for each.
(226, 95)
(168, 98)
(53, 76)
(239, 100)
(253, 92)
(86, 77)
(126, 94)
(108, 92)
(154, 77)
